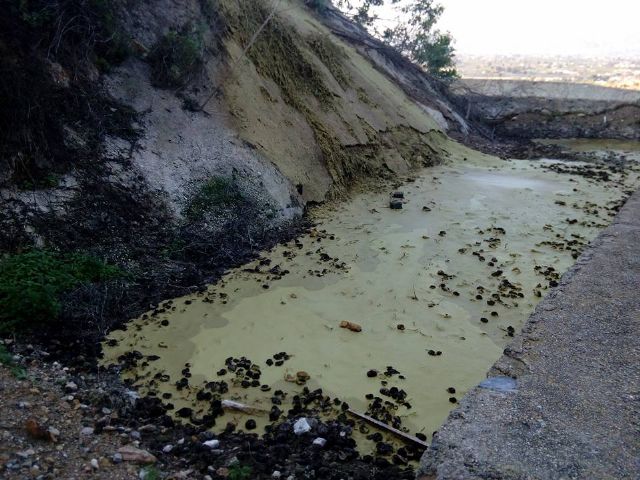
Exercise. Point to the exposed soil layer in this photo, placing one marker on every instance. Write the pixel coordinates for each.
(526, 110)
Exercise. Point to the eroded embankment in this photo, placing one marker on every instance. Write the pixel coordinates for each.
(527, 110)
(563, 400)
(438, 288)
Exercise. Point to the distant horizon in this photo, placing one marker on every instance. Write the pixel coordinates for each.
(571, 28)
(611, 56)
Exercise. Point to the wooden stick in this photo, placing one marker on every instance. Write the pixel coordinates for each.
(403, 436)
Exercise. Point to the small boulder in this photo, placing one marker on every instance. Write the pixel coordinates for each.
(136, 455)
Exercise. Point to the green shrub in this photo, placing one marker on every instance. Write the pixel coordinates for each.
(31, 284)
(177, 57)
(150, 473)
(7, 360)
(215, 193)
(239, 472)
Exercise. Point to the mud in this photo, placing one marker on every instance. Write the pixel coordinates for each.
(438, 288)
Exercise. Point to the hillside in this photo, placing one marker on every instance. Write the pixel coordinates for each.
(203, 139)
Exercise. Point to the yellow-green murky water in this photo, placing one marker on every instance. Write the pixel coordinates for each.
(515, 216)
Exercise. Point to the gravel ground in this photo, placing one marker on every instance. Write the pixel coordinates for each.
(70, 423)
(47, 432)
(564, 400)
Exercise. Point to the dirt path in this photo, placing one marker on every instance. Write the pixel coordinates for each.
(572, 410)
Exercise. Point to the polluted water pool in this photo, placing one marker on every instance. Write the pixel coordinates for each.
(391, 313)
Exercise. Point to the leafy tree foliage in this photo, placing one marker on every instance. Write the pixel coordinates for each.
(414, 34)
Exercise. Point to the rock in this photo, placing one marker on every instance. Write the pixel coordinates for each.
(135, 435)
(87, 431)
(136, 455)
(54, 434)
(397, 194)
(320, 442)
(212, 443)
(301, 426)
(38, 432)
(26, 453)
(70, 387)
(354, 327)
(94, 464)
(167, 448)
(117, 458)
(302, 377)
(395, 205)
(222, 472)
(276, 474)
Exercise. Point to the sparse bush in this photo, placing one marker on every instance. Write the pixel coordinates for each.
(215, 193)
(31, 284)
(177, 57)
(47, 52)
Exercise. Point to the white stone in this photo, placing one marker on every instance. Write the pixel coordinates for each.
(301, 426)
(321, 442)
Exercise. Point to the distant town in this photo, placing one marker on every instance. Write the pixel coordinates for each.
(609, 72)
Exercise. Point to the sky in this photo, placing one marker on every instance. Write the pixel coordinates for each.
(542, 27)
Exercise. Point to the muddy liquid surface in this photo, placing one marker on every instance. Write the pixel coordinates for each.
(461, 266)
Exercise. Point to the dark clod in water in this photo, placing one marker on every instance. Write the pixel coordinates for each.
(451, 390)
(372, 373)
(397, 194)
(453, 400)
(250, 424)
(400, 326)
(184, 412)
(395, 205)
(384, 448)
(484, 320)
